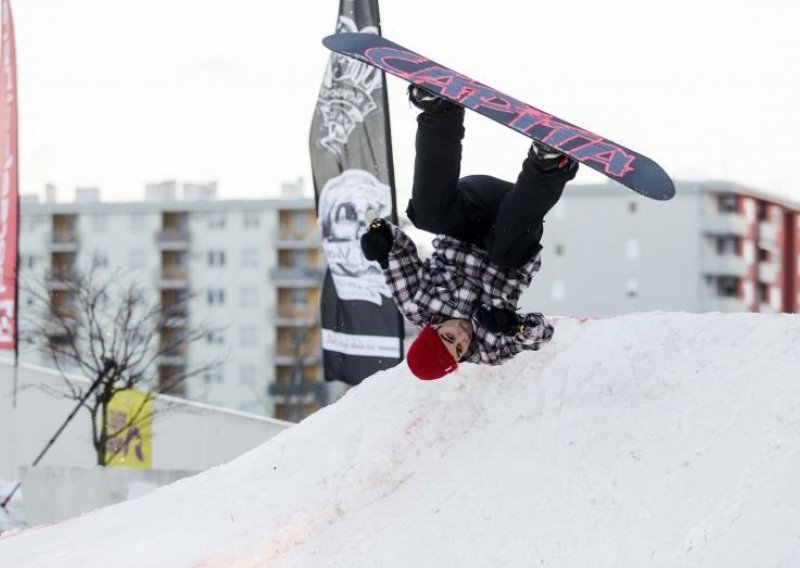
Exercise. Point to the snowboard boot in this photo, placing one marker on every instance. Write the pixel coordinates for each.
(427, 101)
(548, 159)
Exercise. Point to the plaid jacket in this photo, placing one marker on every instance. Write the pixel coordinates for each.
(456, 279)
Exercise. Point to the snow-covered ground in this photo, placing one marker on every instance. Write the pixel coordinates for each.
(658, 440)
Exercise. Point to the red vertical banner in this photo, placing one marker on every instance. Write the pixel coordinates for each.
(9, 191)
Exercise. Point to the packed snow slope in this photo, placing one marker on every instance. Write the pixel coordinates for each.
(656, 440)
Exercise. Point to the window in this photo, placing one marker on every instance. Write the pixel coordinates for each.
(213, 375)
(249, 297)
(300, 258)
(216, 297)
(30, 223)
(764, 255)
(248, 336)
(100, 259)
(633, 207)
(299, 298)
(300, 221)
(763, 211)
(251, 220)
(216, 220)
(728, 286)
(216, 258)
(559, 291)
(729, 245)
(632, 288)
(763, 293)
(250, 257)
(559, 250)
(215, 337)
(728, 203)
(30, 261)
(632, 249)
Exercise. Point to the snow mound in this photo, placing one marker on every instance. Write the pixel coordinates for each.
(644, 440)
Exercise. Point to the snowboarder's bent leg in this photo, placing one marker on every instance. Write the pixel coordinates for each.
(436, 203)
(517, 232)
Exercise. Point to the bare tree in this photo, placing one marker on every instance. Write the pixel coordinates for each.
(108, 329)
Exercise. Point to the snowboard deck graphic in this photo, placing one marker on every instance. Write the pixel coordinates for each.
(631, 169)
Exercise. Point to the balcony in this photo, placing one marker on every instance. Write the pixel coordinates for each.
(62, 333)
(725, 224)
(767, 234)
(173, 357)
(296, 317)
(62, 279)
(173, 239)
(64, 241)
(768, 308)
(173, 278)
(723, 304)
(768, 272)
(290, 361)
(725, 265)
(300, 388)
(302, 275)
(287, 239)
(304, 392)
(722, 263)
(170, 380)
(175, 316)
(288, 355)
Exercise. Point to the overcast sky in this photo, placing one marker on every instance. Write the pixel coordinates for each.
(120, 93)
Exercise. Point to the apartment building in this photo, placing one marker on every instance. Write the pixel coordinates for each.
(247, 272)
(716, 246)
(252, 271)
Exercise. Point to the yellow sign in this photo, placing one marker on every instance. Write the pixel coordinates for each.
(129, 430)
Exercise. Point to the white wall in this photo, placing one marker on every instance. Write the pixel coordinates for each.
(53, 494)
(190, 436)
(246, 366)
(609, 251)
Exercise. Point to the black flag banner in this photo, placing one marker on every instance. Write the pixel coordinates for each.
(362, 330)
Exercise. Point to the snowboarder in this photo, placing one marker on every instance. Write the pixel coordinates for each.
(487, 248)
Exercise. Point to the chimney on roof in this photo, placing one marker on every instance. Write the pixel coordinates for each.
(50, 191)
(162, 191)
(200, 191)
(87, 194)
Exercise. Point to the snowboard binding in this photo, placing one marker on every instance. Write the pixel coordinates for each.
(426, 101)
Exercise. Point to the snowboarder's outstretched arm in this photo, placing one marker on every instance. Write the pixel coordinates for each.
(397, 255)
(534, 332)
(505, 333)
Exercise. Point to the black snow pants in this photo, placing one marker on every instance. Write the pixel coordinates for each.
(503, 218)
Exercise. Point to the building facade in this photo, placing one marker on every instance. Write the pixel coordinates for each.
(250, 271)
(715, 247)
(246, 272)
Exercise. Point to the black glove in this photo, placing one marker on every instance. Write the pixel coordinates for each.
(499, 320)
(377, 242)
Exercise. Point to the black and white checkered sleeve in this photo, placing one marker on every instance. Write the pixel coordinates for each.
(403, 276)
(497, 349)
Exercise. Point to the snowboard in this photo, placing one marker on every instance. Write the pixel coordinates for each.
(629, 168)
